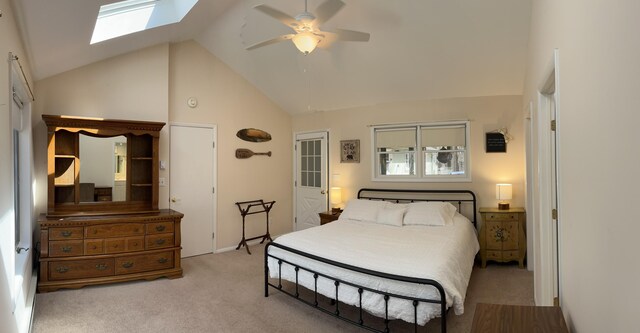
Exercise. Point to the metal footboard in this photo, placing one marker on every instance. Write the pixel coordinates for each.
(361, 289)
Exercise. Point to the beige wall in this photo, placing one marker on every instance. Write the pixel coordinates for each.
(132, 86)
(485, 114)
(154, 84)
(227, 100)
(598, 155)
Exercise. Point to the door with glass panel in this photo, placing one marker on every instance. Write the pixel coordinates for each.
(311, 179)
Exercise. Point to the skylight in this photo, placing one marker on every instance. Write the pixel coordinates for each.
(129, 16)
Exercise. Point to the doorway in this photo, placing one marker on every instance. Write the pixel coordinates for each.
(310, 182)
(192, 185)
(545, 198)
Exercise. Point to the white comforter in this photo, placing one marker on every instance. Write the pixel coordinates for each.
(442, 253)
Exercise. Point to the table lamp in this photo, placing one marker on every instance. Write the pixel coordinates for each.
(336, 199)
(503, 192)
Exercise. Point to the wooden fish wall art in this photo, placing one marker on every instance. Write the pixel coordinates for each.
(253, 135)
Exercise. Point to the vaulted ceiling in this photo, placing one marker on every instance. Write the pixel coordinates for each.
(419, 49)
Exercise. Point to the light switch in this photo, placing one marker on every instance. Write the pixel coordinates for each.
(163, 165)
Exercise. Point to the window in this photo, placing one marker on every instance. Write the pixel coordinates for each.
(16, 185)
(422, 152)
(129, 16)
(310, 163)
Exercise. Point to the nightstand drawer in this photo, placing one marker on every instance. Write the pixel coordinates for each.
(501, 217)
(495, 255)
(510, 255)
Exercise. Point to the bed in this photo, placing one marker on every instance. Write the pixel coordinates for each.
(413, 269)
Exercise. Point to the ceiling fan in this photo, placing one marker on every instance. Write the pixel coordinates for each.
(308, 34)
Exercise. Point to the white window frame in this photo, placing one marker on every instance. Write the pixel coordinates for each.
(419, 155)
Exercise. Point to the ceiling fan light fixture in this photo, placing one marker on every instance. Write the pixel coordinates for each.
(306, 42)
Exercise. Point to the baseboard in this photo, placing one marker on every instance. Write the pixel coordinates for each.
(231, 248)
(31, 299)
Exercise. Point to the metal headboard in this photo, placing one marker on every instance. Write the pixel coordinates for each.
(459, 198)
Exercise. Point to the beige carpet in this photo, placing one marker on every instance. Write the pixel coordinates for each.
(224, 293)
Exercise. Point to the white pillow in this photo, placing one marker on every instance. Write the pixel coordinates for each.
(362, 210)
(435, 213)
(392, 214)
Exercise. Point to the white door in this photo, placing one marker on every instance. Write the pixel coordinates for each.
(311, 179)
(191, 188)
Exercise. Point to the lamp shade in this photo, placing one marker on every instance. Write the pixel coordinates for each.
(503, 191)
(306, 42)
(336, 195)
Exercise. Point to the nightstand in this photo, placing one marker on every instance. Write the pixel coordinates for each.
(502, 235)
(328, 216)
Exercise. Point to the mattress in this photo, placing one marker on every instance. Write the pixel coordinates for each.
(441, 253)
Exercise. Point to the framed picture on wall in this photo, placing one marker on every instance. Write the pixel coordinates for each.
(495, 143)
(350, 151)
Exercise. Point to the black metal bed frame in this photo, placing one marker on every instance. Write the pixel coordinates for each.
(384, 195)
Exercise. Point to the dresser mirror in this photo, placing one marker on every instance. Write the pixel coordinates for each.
(103, 171)
(100, 166)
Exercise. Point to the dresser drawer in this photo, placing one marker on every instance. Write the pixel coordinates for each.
(119, 245)
(114, 245)
(65, 248)
(74, 269)
(65, 233)
(159, 241)
(159, 227)
(135, 243)
(501, 216)
(114, 230)
(144, 263)
(93, 246)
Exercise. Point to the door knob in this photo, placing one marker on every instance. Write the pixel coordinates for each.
(174, 199)
(323, 192)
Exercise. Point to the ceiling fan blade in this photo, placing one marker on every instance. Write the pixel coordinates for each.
(270, 41)
(351, 35)
(327, 10)
(286, 19)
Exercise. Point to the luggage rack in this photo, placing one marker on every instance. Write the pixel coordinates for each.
(245, 208)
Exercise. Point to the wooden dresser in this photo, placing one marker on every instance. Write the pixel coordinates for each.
(78, 251)
(502, 235)
(88, 236)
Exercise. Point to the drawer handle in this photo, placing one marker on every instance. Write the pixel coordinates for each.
(65, 233)
(66, 249)
(160, 241)
(62, 269)
(162, 260)
(127, 264)
(160, 228)
(101, 267)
